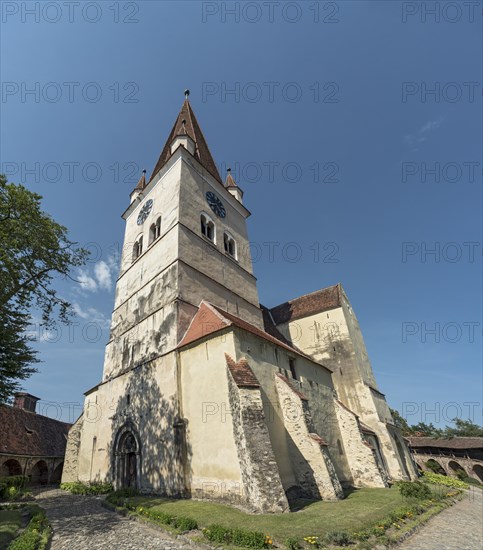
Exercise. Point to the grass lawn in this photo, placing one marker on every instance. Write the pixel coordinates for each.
(10, 523)
(361, 507)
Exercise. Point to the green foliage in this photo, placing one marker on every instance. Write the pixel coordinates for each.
(414, 489)
(118, 496)
(11, 486)
(464, 428)
(400, 422)
(438, 479)
(338, 538)
(36, 536)
(434, 466)
(182, 523)
(364, 514)
(33, 249)
(78, 488)
(10, 524)
(236, 537)
(461, 475)
(292, 543)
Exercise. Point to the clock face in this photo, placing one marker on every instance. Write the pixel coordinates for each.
(215, 204)
(144, 212)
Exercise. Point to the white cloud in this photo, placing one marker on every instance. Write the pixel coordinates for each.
(91, 315)
(431, 125)
(421, 135)
(103, 275)
(86, 281)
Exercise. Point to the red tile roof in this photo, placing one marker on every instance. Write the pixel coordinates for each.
(365, 428)
(319, 440)
(242, 373)
(206, 321)
(211, 319)
(321, 300)
(193, 130)
(30, 434)
(453, 443)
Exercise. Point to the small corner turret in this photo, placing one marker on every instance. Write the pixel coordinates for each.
(139, 187)
(232, 187)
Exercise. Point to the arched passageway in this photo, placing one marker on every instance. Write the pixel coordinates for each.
(57, 473)
(456, 467)
(11, 468)
(435, 466)
(39, 474)
(478, 471)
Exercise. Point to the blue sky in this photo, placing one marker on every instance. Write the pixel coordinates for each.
(353, 127)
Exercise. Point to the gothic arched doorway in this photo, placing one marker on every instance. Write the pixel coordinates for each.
(127, 459)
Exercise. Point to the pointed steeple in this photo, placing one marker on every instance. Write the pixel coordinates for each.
(139, 187)
(232, 187)
(186, 125)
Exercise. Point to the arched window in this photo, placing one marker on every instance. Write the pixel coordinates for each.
(230, 245)
(137, 249)
(155, 231)
(207, 227)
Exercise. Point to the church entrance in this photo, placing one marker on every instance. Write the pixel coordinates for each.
(127, 459)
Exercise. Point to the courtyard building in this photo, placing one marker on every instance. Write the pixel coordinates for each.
(31, 444)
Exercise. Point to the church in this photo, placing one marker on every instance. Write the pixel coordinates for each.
(205, 392)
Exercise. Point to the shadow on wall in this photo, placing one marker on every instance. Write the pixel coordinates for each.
(148, 449)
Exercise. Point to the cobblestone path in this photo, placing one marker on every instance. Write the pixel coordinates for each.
(457, 528)
(81, 522)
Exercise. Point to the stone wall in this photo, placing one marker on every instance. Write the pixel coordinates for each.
(311, 462)
(366, 472)
(261, 480)
(71, 462)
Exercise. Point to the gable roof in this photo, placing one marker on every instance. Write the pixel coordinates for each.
(242, 373)
(309, 304)
(210, 319)
(453, 443)
(30, 434)
(191, 128)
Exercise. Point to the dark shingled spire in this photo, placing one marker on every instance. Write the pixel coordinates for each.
(193, 130)
(141, 183)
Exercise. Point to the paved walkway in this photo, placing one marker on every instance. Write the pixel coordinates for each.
(457, 528)
(81, 522)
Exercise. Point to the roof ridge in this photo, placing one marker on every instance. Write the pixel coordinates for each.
(193, 130)
(305, 295)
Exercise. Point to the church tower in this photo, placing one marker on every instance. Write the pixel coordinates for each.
(185, 241)
(197, 376)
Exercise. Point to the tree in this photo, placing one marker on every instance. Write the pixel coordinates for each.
(464, 428)
(33, 250)
(400, 422)
(427, 430)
